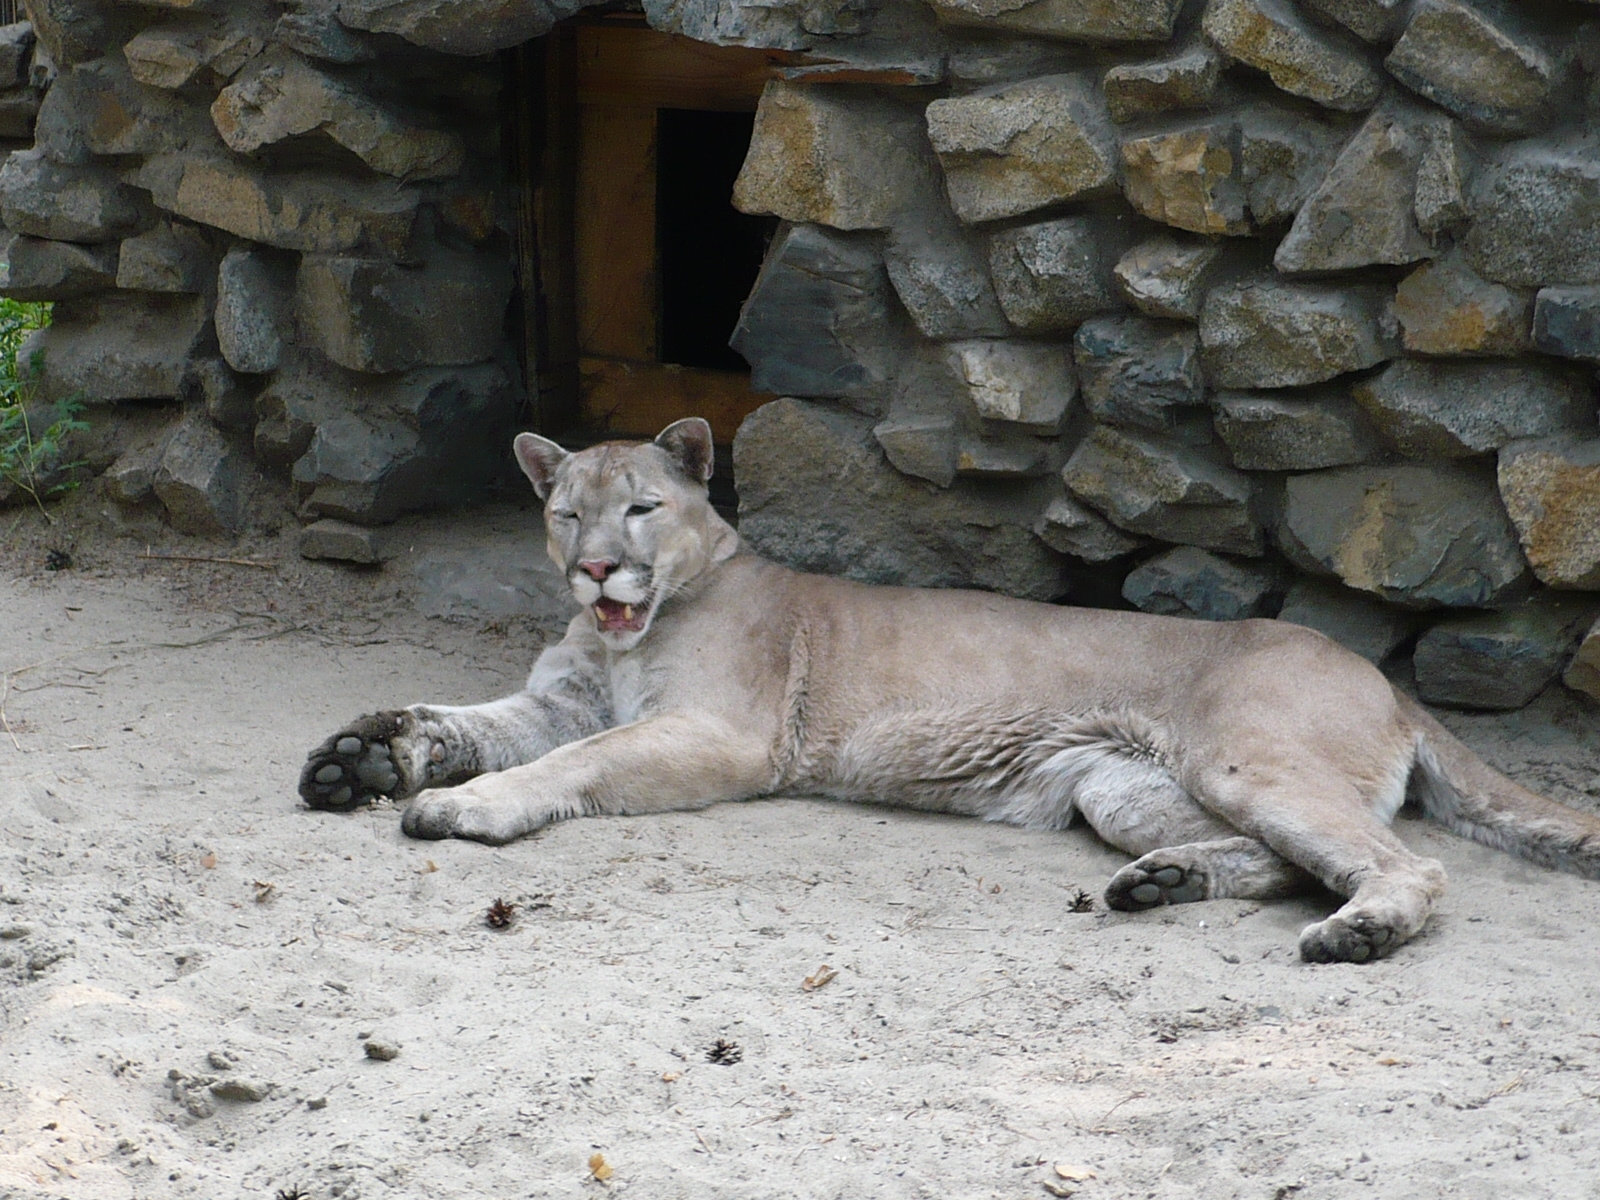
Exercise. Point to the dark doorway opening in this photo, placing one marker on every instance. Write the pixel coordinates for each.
(709, 252)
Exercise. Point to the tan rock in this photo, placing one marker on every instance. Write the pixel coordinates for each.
(1188, 179)
(1019, 147)
(171, 56)
(296, 210)
(846, 161)
(1270, 36)
(1167, 277)
(1185, 80)
(1551, 488)
(1026, 383)
(1583, 672)
(1445, 308)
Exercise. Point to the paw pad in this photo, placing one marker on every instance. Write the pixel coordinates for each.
(353, 767)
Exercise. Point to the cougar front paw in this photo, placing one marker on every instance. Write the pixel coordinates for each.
(355, 765)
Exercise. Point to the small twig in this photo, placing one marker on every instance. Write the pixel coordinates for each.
(5, 690)
(211, 558)
(702, 1141)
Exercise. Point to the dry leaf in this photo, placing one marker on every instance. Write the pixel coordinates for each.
(264, 891)
(824, 975)
(430, 868)
(1390, 1062)
(599, 1167)
(671, 1076)
(1055, 1189)
(1074, 1172)
(209, 861)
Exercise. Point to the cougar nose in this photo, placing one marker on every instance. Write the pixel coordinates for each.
(597, 568)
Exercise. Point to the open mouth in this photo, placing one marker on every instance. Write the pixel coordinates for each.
(613, 616)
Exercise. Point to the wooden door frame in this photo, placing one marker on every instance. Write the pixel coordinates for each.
(582, 70)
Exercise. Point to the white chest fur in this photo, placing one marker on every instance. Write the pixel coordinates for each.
(630, 687)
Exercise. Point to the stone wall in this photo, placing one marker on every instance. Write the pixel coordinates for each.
(1232, 307)
(1249, 306)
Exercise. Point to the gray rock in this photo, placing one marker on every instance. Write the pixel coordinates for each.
(345, 542)
(1266, 333)
(1432, 409)
(1551, 488)
(73, 31)
(1125, 21)
(16, 48)
(1583, 671)
(228, 400)
(318, 34)
(1138, 372)
(1415, 535)
(1302, 60)
(1158, 488)
(1487, 70)
(255, 291)
(1187, 79)
(1029, 384)
(312, 211)
(170, 257)
(815, 493)
(1364, 210)
(1283, 156)
(1188, 178)
(1566, 321)
(198, 480)
(1499, 660)
(171, 56)
(1074, 529)
(280, 95)
(120, 345)
(1358, 622)
(841, 159)
(1011, 149)
(1445, 308)
(1535, 207)
(47, 199)
(941, 274)
(921, 444)
(466, 27)
(815, 321)
(1051, 276)
(1189, 582)
(1440, 201)
(97, 108)
(131, 479)
(1293, 431)
(1167, 276)
(378, 316)
(1369, 20)
(36, 269)
(391, 444)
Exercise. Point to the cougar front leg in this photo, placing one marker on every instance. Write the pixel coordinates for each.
(661, 764)
(400, 752)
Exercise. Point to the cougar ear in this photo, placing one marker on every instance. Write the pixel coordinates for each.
(539, 458)
(689, 443)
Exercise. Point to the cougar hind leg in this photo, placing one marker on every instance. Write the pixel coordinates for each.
(1238, 868)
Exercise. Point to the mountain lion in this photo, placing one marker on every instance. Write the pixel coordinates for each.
(1243, 759)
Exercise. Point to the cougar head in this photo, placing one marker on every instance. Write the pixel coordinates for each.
(629, 523)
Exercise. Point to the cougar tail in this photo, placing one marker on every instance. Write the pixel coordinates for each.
(1470, 798)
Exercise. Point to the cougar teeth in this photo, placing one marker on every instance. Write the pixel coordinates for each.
(627, 612)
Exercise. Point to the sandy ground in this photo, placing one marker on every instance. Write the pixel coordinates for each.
(192, 964)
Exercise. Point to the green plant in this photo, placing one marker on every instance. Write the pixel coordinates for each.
(31, 460)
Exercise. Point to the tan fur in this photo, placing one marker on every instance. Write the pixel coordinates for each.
(1238, 759)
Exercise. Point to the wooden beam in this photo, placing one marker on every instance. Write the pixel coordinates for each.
(615, 237)
(639, 400)
(633, 65)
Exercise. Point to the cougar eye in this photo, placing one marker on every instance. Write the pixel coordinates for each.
(639, 510)
(563, 514)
